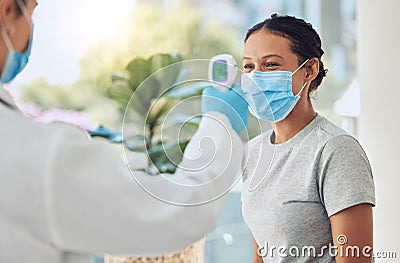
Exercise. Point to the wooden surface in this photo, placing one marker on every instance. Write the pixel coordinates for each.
(192, 254)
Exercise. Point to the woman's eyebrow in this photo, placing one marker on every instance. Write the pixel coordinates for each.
(272, 55)
(265, 57)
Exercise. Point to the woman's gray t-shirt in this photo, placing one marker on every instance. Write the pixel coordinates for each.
(291, 189)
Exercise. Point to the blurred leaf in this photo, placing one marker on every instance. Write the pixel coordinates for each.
(159, 108)
(138, 69)
(159, 61)
(165, 69)
(119, 76)
(139, 80)
(144, 95)
(165, 156)
(120, 92)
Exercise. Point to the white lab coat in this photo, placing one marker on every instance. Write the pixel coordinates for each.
(64, 196)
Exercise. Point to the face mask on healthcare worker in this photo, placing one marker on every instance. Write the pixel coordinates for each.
(15, 61)
(270, 94)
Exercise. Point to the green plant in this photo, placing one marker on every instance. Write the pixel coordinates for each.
(148, 91)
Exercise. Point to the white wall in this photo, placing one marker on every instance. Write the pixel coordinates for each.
(379, 126)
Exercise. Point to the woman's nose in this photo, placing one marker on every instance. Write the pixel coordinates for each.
(258, 67)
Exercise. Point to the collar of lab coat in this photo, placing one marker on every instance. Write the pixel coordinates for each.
(5, 96)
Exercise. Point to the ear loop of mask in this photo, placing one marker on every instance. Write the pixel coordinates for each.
(305, 84)
(302, 65)
(298, 94)
(25, 12)
(6, 38)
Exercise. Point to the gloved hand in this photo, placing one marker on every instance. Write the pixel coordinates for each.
(231, 103)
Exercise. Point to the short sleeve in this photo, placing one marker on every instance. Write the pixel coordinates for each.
(344, 174)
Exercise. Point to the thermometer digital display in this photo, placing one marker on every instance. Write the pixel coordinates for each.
(222, 68)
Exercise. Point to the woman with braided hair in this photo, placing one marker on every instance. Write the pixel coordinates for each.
(308, 187)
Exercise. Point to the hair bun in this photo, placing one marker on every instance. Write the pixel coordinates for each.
(275, 15)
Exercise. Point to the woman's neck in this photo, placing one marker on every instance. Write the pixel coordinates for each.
(301, 115)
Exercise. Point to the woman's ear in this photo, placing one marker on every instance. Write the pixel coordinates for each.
(312, 69)
(7, 13)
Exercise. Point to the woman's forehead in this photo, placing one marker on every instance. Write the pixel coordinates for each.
(264, 43)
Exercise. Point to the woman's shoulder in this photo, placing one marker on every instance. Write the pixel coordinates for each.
(343, 144)
(326, 132)
(336, 139)
(329, 127)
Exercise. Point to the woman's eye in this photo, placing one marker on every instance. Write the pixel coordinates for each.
(248, 66)
(271, 64)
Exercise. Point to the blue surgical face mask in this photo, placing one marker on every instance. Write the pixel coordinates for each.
(270, 94)
(15, 61)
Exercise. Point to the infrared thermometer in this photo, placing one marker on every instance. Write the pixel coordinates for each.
(223, 69)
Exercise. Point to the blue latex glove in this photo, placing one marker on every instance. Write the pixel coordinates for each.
(101, 131)
(231, 103)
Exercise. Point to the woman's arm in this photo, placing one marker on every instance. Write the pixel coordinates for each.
(352, 234)
(257, 258)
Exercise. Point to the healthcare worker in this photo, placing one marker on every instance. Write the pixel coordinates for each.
(64, 197)
(308, 187)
